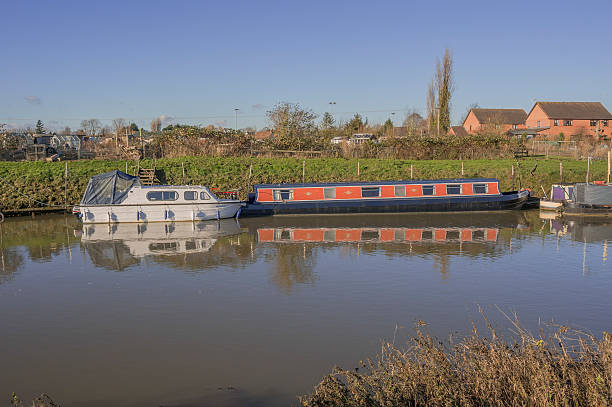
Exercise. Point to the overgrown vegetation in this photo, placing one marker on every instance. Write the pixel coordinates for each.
(565, 368)
(25, 182)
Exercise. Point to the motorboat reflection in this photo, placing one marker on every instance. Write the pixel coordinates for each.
(583, 230)
(119, 245)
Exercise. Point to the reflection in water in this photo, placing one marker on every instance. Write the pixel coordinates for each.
(183, 244)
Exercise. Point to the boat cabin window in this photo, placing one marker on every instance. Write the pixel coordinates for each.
(370, 192)
(190, 195)
(480, 188)
(283, 194)
(162, 196)
(452, 235)
(400, 190)
(329, 193)
(204, 196)
(428, 189)
(426, 235)
(453, 189)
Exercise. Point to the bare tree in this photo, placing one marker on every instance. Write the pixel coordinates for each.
(118, 125)
(156, 125)
(91, 127)
(431, 106)
(445, 86)
(290, 119)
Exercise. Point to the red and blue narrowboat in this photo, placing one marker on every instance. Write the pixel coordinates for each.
(447, 195)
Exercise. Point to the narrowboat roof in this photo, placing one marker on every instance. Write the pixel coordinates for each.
(368, 183)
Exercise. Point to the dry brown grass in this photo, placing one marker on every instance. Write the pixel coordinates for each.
(563, 368)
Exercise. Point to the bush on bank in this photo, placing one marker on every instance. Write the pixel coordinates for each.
(24, 182)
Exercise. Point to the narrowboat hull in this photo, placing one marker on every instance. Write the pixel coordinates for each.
(504, 201)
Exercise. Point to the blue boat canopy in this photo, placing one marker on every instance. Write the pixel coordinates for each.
(110, 188)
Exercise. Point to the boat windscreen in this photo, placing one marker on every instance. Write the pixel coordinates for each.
(110, 188)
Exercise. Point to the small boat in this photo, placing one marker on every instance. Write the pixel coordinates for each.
(447, 195)
(116, 197)
(559, 194)
(590, 199)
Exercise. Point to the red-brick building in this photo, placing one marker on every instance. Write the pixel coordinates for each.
(499, 120)
(570, 119)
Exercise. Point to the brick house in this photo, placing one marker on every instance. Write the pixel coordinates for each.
(499, 120)
(458, 131)
(570, 119)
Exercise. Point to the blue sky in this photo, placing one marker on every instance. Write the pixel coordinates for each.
(195, 61)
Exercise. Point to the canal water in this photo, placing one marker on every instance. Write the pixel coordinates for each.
(256, 312)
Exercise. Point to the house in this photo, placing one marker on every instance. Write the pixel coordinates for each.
(62, 142)
(42, 139)
(500, 120)
(570, 119)
(458, 131)
(337, 140)
(360, 138)
(263, 135)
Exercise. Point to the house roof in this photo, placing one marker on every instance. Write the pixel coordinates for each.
(500, 116)
(459, 131)
(574, 110)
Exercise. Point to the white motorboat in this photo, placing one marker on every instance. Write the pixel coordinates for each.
(116, 197)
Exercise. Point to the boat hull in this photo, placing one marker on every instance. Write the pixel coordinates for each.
(505, 201)
(158, 212)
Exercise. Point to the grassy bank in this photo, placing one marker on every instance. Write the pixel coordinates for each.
(43, 181)
(566, 368)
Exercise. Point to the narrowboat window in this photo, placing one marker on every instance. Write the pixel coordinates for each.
(154, 196)
(370, 192)
(190, 245)
(369, 235)
(400, 190)
(453, 189)
(169, 196)
(426, 235)
(329, 235)
(428, 189)
(283, 194)
(480, 188)
(452, 235)
(329, 193)
(399, 234)
(190, 195)
(204, 196)
(283, 234)
(478, 235)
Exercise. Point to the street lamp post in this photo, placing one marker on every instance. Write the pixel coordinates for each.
(331, 107)
(392, 125)
(236, 123)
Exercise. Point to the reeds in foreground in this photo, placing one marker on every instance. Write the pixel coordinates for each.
(563, 368)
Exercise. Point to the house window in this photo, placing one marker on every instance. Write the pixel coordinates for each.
(538, 123)
(428, 189)
(593, 123)
(190, 195)
(329, 193)
(400, 190)
(283, 194)
(605, 123)
(370, 192)
(514, 126)
(556, 122)
(204, 196)
(453, 189)
(480, 188)
(567, 122)
(162, 196)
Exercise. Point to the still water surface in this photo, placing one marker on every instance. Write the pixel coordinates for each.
(255, 313)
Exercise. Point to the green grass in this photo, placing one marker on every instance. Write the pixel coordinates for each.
(44, 181)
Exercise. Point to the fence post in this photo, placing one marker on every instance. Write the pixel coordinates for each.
(588, 169)
(126, 170)
(513, 177)
(462, 168)
(303, 170)
(66, 186)
(608, 178)
(561, 170)
(183, 167)
(411, 171)
(358, 171)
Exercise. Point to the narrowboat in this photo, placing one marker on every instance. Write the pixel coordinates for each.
(117, 197)
(447, 195)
